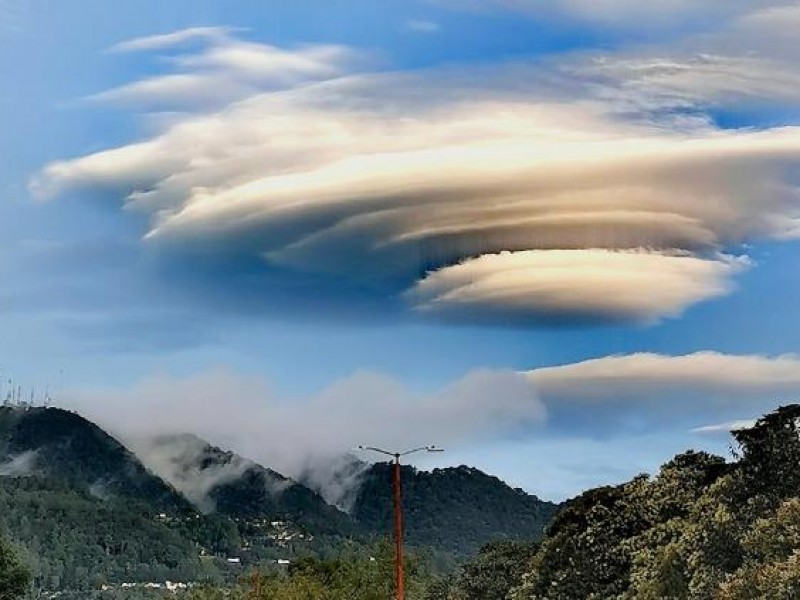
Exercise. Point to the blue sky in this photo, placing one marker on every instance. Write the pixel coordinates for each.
(389, 218)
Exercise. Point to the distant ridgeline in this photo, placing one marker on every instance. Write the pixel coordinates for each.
(87, 513)
(454, 510)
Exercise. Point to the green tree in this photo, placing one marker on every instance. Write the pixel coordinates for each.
(587, 552)
(771, 567)
(700, 530)
(495, 571)
(14, 576)
(770, 454)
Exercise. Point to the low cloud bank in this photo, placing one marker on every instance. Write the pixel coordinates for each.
(615, 397)
(303, 438)
(181, 460)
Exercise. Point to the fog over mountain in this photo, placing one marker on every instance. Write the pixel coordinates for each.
(173, 476)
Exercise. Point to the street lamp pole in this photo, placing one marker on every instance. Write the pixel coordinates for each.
(398, 511)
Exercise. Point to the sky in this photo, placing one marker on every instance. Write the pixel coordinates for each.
(558, 238)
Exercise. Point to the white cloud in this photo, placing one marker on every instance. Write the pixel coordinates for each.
(747, 62)
(182, 461)
(625, 13)
(622, 400)
(19, 465)
(174, 38)
(423, 181)
(725, 428)
(647, 374)
(293, 435)
(684, 80)
(554, 284)
(242, 413)
(223, 69)
(765, 30)
(646, 392)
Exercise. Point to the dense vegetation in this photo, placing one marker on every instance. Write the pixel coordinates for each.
(74, 540)
(61, 444)
(356, 573)
(14, 576)
(701, 529)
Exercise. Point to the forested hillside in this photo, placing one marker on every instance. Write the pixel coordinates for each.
(454, 510)
(227, 484)
(51, 442)
(86, 513)
(74, 540)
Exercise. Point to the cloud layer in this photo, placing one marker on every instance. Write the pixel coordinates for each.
(591, 188)
(617, 399)
(560, 284)
(647, 375)
(626, 13)
(293, 435)
(645, 391)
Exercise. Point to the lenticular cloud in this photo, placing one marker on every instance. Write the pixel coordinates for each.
(491, 197)
(535, 284)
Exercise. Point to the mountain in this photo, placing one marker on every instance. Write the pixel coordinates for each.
(455, 510)
(230, 485)
(88, 510)
(50, 442)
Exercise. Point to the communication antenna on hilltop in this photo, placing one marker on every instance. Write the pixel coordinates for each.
(398, 510)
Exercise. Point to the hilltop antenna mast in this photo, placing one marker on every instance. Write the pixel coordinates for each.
(399, 567)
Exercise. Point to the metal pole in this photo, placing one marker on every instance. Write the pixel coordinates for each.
(398, 511)
(398, 531)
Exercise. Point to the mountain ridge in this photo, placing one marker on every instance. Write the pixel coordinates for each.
(82, 502)
(456, 509)
(224, 482)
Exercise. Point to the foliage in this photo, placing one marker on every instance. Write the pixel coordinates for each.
(66, 446)
(14, 576)
(353, 575)
(77, 541)
(771, 567)
(701, 529)
(497, 568)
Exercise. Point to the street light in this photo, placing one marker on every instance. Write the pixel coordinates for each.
(398, 510)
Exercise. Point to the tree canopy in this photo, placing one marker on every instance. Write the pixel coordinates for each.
(14, 576)
(700, 529)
